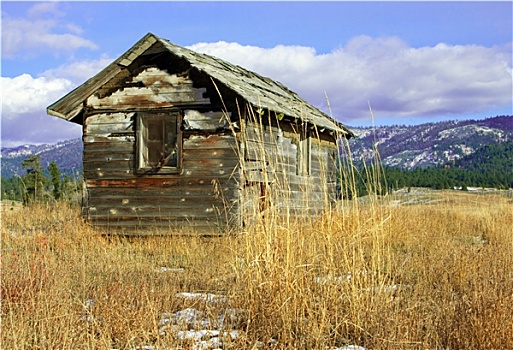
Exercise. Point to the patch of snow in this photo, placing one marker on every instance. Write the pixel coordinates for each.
(350, 347)
(207, 297)
(468, 130)
(340, 279)
(171, 269)
(192, 325)
(202, 333)
(465, 149)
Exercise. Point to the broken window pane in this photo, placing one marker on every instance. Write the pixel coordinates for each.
(159, 142)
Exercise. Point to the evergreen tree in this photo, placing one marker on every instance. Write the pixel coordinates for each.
(34, 181)
(55, 178)
(13, 188)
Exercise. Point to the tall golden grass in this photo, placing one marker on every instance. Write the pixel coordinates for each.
(436, 275)
(413, 271)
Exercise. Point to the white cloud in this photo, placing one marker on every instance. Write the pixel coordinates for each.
(24, 102)
(25, 98)
(396, 79)
(78, 72)
(24, 93)
(40, 9)
(43, 31)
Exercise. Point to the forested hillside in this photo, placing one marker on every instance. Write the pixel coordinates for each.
(489, 167)
(430, 144)
(67, 155)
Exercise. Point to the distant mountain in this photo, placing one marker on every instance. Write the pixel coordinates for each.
(406, 147)
(67, 155)
(430, 144)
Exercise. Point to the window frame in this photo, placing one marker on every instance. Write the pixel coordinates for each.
(143, 166)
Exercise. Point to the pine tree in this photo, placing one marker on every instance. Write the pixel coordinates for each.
(34, 180)
(55, 178)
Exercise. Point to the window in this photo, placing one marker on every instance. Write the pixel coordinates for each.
(159, 143)
(304, 153)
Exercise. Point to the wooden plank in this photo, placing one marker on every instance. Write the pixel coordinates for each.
(205, 121)
(210, 173)
(285, 158)
(127, 194)
(177, 224)
(149, 101)
(112, 165)
(108, 137)
(99, 174)
(108, 146)
(260, 150)
(143, 227)
(155, 91)
(110, 118)
(207, 142)
(126, 129)
(164, 206)
(205, 167)
(285, 147)
(303, 182)
(156, 222)
(209, 153)
(284, 169)
(214, 163)
(165, 200)
(254, 165)
(200, 167)
(154, 212)
(255, 134)
(89, 156)
(157, 181)
(259, 176)
(207, 174)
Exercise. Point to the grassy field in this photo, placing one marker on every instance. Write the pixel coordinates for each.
(427, 270)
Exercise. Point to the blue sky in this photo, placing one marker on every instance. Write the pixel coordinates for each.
(413, 62)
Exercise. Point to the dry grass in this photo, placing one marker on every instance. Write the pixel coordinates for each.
(423, 276)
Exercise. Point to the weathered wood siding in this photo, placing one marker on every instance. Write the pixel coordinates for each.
(151, 88)
(203, 197)
(271, 171)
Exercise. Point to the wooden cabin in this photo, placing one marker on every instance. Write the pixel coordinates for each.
(176, 140)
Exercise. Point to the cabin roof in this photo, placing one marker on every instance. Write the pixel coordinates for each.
(259, 91)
